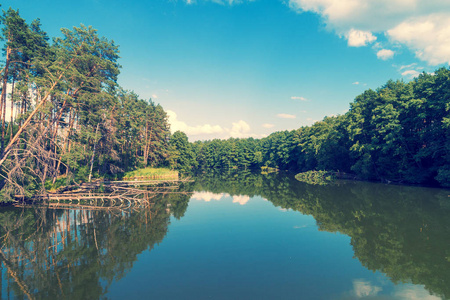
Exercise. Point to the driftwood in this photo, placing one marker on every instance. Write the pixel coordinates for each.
(106, 194)
(116, 184)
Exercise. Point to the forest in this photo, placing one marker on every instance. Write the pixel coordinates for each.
(63, 115)
(397, 133)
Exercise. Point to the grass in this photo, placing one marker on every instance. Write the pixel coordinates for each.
(150, 173)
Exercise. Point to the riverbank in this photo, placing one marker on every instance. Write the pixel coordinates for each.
(64, 184)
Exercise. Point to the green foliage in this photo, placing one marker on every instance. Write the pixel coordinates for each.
(59, 182)
(182, 153)
(316, 177)
(444, 176)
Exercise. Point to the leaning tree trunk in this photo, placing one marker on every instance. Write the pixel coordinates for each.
(12, 108)
(8, 148)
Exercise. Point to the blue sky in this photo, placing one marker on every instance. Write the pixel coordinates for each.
(226, 68)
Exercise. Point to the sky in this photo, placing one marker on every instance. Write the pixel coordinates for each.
(247, 68)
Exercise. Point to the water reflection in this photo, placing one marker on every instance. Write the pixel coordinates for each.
(76, 254)
(209, 196)
(403, 232)
(241, 199)
(363, 288)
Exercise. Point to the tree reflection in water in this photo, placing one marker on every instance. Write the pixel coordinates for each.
(77, 253)
(402, 231)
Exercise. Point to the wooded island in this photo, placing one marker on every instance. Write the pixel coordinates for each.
(63, 116)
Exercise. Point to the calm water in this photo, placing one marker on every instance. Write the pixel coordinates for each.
(237, 237)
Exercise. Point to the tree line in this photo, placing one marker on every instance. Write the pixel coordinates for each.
(62, 112)
(398, 132)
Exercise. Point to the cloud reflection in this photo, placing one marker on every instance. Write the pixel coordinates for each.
(208, 196)
(363, 288)
(414, 292)
(300, 226)
(242, 200)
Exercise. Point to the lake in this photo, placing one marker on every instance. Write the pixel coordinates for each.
(236, 236)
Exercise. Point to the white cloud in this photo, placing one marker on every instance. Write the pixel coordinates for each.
(267, 125)
(377, 46)
(428, 36)
(208, 196)
(242, 200)
(407, 66)
(332, 10)
(300, 226)
(356, 83)
(154, 96)
(362, 288)
(385, 54)
(421, 25)
(176, 124)
(299, 98)
(240, 129)
(286, 116)
(369, 15)
(411, 73)
(358, 38)
(414, 292)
